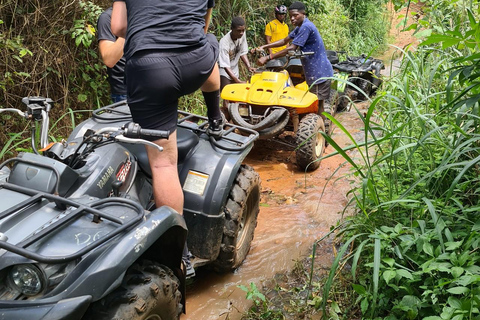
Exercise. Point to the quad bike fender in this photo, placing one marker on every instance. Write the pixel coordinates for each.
(297, 98)
(160, 237)
(235, 92)
(207, 177)
(71, 309)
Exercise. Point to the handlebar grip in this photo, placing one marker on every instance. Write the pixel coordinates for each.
(134, 131)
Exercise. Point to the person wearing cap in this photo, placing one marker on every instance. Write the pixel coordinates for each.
(277, 29)
(233, 48)
(305, 36)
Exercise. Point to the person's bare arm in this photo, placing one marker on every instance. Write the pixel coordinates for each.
(262, 60)
(232, 75)
(247, 63)
(268, 40)
(119, 19)
(208, 18)
(111, 51)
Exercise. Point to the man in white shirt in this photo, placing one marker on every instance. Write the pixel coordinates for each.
(233, 47)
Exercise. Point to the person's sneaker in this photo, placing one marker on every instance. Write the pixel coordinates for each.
(189, 270)
(215, 127)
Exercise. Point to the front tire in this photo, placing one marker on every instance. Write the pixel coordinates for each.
(310, 142)
(148, 291)
(241, 211)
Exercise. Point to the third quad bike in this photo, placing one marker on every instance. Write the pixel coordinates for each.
(276, 99)
(361, 75)
(80, 236)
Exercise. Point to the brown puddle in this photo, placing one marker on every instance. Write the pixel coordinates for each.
(293, 215)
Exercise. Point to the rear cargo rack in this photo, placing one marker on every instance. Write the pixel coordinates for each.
(75, 211)
(234, 138)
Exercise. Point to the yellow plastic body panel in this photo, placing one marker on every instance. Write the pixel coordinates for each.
(271, 89)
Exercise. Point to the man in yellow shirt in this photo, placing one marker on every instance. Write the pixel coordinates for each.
(277, 29)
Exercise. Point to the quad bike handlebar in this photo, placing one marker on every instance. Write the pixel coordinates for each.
(38, 109)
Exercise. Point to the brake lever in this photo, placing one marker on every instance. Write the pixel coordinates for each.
(19, 112)
(122, 138)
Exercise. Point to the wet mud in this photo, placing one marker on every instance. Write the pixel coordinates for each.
(296, 209)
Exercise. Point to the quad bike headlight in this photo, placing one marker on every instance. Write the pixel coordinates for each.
(27, 279)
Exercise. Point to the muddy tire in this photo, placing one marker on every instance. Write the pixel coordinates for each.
(241, 213)
(276, 129)
(310, 142)
(366, 86)
(148, 291)
(342, 101)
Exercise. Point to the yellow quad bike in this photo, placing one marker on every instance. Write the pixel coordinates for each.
(277, 99)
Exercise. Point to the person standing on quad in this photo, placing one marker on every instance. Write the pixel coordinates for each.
(233, 47)
(277, 29)
(305, 36)
(168, 55)
(111, 51)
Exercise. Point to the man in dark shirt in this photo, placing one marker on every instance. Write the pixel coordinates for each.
(111, 51)
(168, 55)
(317, 67)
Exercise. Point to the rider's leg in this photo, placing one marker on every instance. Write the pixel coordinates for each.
(211, 94)
(166, 184)
(223, 82)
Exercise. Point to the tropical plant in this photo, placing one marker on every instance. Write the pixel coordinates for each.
(417, 235)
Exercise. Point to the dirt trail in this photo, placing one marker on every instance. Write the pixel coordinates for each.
(296, 209)
(293, 214)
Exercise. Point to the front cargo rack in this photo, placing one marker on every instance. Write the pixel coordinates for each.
(76, 210)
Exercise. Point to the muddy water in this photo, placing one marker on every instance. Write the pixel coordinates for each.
(296, 209)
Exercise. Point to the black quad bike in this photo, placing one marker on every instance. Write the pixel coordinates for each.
(80, 237)
(361, 78)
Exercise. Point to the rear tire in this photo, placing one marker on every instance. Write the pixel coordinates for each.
(241, 213)
(366, 86)
(310, 142)
(148, 291)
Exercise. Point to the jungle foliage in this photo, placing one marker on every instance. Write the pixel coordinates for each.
(411, 251)
(49, 48)
(413, 246)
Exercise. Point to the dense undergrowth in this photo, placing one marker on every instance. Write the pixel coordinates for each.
(412, 249)
(49, 49)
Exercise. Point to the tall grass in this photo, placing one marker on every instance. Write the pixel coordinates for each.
(416, 233)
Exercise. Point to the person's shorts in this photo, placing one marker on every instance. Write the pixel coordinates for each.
(157, 78)
(322, 90)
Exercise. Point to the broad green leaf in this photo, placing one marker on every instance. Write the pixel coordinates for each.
(424, 33)
(458, 290)
(466, 280)
(359, 289)
(433, 318)
(428, 249)
(389, 275)
(389, 261)
(457, 272)
(335, 307)
(364, 305)
(454, 302)
(476, 227)
(404, 274)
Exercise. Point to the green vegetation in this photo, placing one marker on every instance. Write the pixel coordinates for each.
(412, 249)
(51, 50)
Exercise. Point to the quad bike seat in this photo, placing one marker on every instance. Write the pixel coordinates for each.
(186, 141)
(332, 56)
(354, 64)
